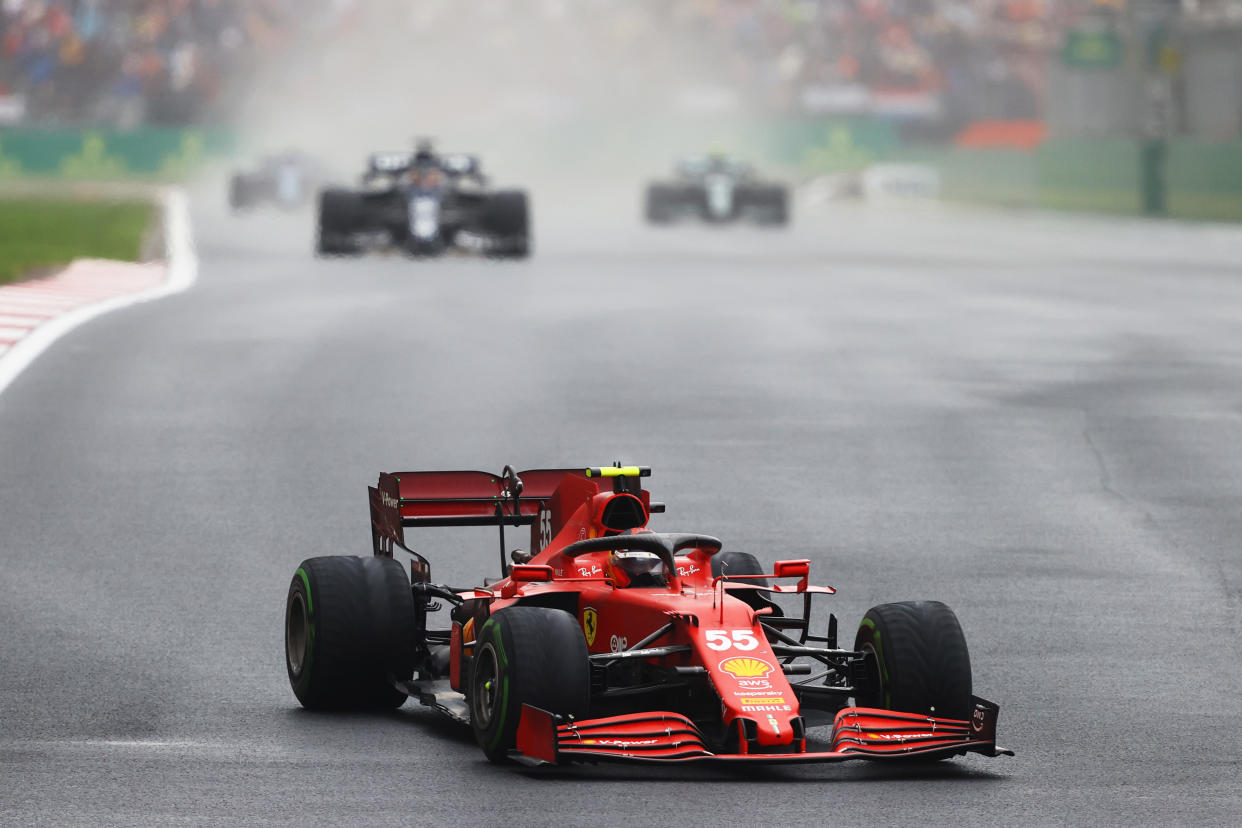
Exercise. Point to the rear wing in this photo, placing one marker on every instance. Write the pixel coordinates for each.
(475, 498)
(389, 163)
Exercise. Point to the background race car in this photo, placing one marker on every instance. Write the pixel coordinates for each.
(717, 189)
(607, 641)
(285, 180)
(425, 204)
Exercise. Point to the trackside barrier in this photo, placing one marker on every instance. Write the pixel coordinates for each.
(1203, 179)
(108, 154)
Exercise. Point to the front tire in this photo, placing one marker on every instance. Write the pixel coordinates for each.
(239, 192)
(350, 629)
(773, 205)
(339, 215)
(917, 660)
(656, 205)
(507, 219)
(525, 655)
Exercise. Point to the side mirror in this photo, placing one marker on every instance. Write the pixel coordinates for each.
(800, 568)
(527, 573)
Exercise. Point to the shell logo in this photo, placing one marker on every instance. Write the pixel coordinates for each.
(746, 667)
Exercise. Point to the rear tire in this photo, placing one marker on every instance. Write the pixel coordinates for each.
(525, 655)
(917, 660)
(350, 629)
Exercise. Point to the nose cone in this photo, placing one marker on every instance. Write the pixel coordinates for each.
(757, 701)
(754, 688)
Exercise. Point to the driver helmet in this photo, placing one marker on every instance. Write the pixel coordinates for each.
(636, 569)
(424, 152)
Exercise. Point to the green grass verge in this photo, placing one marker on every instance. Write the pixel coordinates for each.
(1207, 206)
(38, 233)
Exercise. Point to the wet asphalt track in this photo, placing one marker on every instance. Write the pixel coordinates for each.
(1036, 419)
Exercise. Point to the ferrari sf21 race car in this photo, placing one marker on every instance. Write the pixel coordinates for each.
(608, 641)
(717, 189)
(425, 204)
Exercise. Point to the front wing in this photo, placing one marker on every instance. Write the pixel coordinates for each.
(857, 733)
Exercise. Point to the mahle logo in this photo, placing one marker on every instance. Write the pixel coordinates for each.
(746, 667)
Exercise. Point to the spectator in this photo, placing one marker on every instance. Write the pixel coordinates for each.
(131, 61)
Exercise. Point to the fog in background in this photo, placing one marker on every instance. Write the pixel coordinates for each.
(557, 90)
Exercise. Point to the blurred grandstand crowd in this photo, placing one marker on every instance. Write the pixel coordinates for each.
(128, 62)
(904, 58)
(947, 61)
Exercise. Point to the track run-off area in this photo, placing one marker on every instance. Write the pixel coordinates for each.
(1034, 418)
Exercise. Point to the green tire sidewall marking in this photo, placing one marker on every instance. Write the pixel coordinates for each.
(503, 677)
(306, 583)
(309, 660)
(492, 630)
(878, 646)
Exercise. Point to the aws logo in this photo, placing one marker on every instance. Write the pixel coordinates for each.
(590, 624)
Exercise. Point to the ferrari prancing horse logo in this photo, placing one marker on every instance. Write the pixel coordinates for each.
(590, 624)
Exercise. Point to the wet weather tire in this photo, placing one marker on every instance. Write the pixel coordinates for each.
(507, 219)
(350, 629)
(339, 213)
(774, 203)
(239, 192)
(916, 659)
(525, 655)
(656, 205)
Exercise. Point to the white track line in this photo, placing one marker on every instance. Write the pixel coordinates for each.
(23, 320)
(182, 271)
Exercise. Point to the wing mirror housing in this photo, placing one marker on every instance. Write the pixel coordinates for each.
(528, 573)
(800, 569)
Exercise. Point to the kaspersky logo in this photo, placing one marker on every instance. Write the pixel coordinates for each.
(746, 667)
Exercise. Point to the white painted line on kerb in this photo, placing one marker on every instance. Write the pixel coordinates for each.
(182, 271)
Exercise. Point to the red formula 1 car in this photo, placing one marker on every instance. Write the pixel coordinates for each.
(607, 641)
